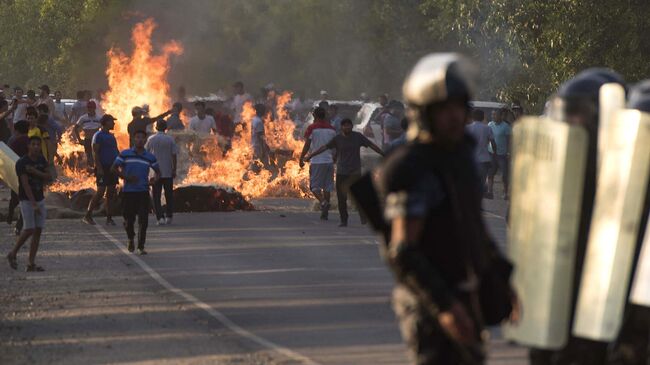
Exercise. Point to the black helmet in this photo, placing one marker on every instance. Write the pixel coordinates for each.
(608, 74)
(584, 87)
(640, 96)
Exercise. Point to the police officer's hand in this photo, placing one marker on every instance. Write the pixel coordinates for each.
(458, 324)
(515, 315)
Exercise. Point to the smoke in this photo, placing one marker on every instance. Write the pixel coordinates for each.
(299, 45)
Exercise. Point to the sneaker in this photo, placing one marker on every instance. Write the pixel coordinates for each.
(489, 196)
(161, 222)
(168, 221)
(130, 246)
(110, 221)
(142, 252)
(88, 220)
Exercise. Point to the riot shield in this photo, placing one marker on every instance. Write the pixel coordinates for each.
(8, 160)
(641, 285)
(549, 161)
(622, 183)
(611, 100)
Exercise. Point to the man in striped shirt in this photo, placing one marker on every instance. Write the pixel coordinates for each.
(133, 166)
(90, 124)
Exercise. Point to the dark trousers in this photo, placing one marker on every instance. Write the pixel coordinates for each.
(483, 170)
(88, 149)
(343, 183)
(166, 183)
(136, 204)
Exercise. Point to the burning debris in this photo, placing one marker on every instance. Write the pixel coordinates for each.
(211, 178)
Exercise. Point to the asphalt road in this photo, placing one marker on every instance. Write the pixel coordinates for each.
(291, 282)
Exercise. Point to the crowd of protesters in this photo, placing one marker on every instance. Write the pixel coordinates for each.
(331, 146)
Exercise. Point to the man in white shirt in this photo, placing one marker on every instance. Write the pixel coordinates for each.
(90, 124)
(202, 123)
(165, 149)
(20, 112)
(321, 169)
(483, 136)
(240, 98)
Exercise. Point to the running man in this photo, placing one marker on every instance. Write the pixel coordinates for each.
(32, 171)
(133, 165)
(105, 152)
(348, 163)
(321, 170)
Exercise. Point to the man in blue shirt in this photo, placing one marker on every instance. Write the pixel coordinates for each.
(501, 131)
(133, 167)
(104, 152)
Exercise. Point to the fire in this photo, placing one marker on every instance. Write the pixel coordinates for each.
(237, 168)
(133, 80)
(141, 78)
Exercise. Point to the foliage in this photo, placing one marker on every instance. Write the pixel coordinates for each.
(525, 48)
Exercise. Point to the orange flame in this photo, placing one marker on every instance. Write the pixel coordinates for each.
(237, 168)
(142, 79)
(139, 79)
(136, 80)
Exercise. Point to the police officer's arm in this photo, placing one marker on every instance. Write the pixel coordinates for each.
(418, 274)
(412, 268)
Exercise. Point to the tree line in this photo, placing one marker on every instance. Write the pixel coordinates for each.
(525, 48)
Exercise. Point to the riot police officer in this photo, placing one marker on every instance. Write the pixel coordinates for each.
(439, 250)
(577, 103)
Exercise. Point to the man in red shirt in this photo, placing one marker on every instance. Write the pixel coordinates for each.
(321, 169)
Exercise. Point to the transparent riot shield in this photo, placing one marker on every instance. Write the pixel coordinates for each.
(641, 284)
(612, 99)
(8, 160)
(622, 182)
(549, 161)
